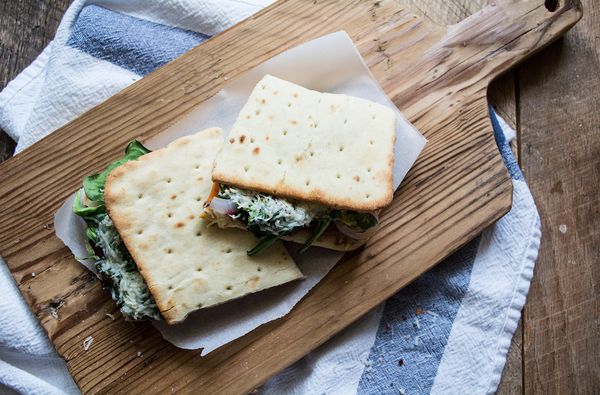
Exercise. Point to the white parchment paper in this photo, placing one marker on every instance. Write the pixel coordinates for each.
(330, 64)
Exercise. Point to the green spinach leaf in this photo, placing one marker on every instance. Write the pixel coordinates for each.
(94, 185)
(354, 218)
(264, 242)
(322, 224)
(85, 211)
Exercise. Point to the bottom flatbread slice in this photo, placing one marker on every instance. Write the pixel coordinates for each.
(155, 203)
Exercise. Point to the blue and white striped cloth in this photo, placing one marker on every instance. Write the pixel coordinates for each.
(448, 332)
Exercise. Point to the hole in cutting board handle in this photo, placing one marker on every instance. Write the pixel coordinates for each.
(551, 5)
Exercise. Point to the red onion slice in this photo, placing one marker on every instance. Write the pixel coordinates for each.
(353, 233)
(223, 206)
(375, 214)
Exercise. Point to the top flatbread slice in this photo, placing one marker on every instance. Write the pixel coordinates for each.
(297, 143)
(155, 203)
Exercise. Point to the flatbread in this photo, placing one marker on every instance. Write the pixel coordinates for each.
(155, 203)
(297, 143)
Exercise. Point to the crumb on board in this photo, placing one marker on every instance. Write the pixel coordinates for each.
(562, 228)
(54, 306)
(53, 312)
(112, 317)
(87, 343)
(32, 274)
(139, 354)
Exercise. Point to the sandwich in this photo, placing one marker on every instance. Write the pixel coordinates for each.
(154, 253)
(314, 168)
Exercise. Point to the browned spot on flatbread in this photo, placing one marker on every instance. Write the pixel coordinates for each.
(199, 284)
(242, 138)
(356, 178)
(173, 196)
(191, 216)
(256, 151)
(231, 141)
(253, 281)
(179, 224)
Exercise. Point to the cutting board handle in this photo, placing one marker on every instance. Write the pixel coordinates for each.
(468, 55)
(505, 32)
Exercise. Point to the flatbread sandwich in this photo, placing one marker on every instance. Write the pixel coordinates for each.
(314, 168)
(152, 249)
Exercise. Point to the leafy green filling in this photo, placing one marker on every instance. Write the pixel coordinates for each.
(269, 217)
(354, 219)
(322, 224)
(112, 260)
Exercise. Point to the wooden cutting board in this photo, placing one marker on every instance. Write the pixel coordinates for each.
(436, 75)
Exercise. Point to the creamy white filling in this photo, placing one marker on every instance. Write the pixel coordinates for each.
(127, 288)
(270, 214)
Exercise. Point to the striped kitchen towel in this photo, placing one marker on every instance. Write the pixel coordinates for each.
(448, 332)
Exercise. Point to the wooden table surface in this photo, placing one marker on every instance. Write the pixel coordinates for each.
(553, 101)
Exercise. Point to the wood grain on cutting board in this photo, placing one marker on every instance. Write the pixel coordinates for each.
(438, 76)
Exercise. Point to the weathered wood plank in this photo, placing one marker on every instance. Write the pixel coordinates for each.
(512, 375)
(560, 137)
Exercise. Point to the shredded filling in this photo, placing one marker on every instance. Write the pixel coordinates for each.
(269, 217)
(113, 262)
